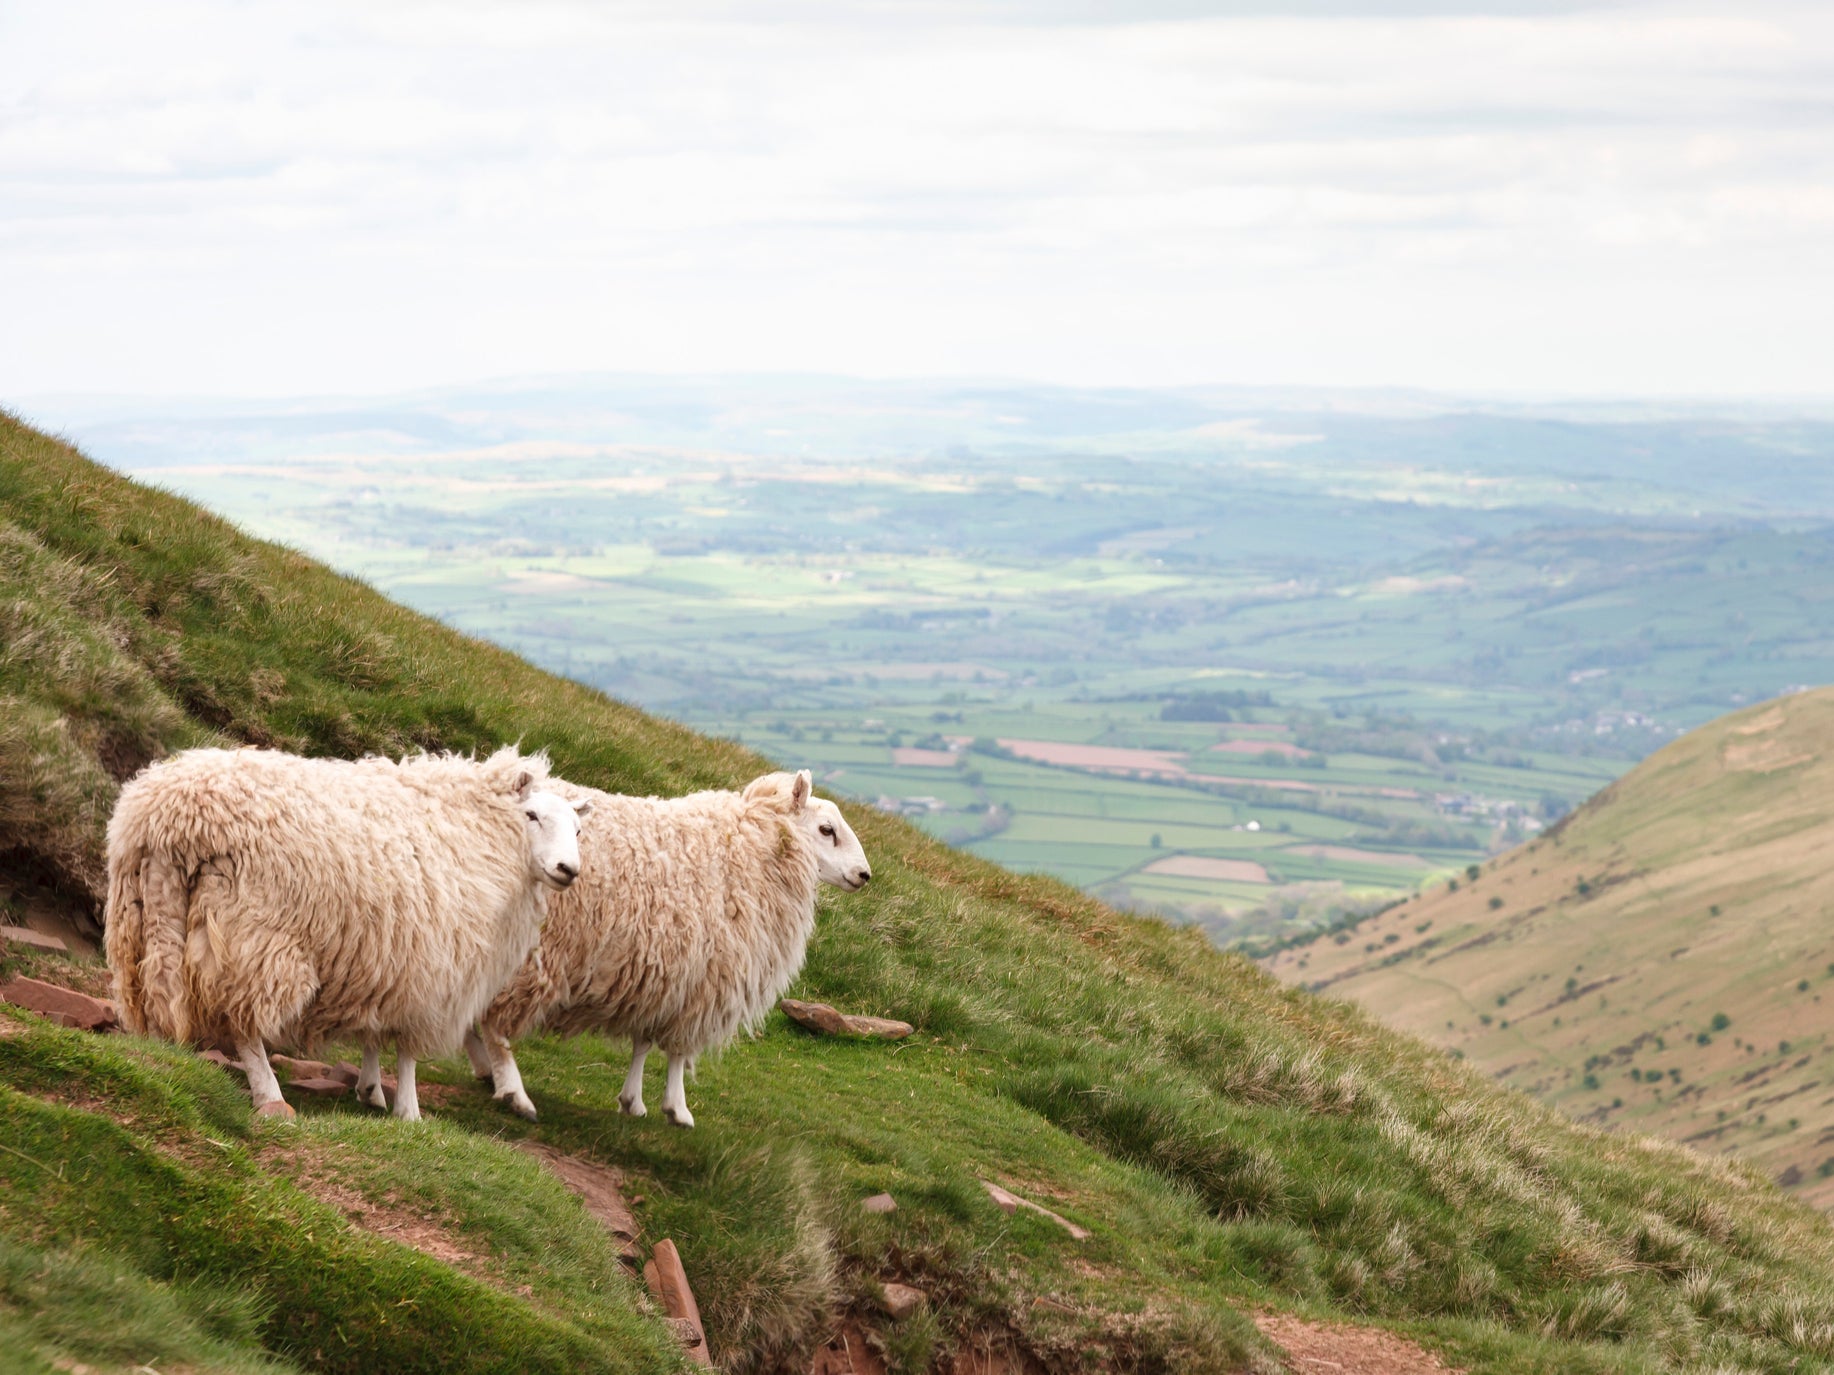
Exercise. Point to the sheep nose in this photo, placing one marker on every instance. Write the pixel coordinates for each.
(568, 871)
(864, 877)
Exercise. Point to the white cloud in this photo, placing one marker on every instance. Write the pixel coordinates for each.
(230, 197)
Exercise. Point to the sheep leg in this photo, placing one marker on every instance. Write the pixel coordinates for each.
(407, 1102)
(630, 1097)
(369, 1078)
(263, 1087)
(478, 1055)
(674, 1096)
(506, 1077)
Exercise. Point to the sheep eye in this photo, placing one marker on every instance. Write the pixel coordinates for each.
(827, 830)
(531, 816)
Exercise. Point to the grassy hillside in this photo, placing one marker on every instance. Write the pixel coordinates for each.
(1232, 1146)
(1664, 962)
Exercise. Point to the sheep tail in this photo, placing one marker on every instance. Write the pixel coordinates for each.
(148, 906)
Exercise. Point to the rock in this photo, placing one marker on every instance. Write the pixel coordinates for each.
(1006, 1201)
(61, 1005)
(880, 1203)
(222, 1061)
(830, 1021)
(277, 1108)
(1002, 1200)
(346, 1071)
(299, 1069)
(669, 1283)
(321, 1087)
(901, 1300)
(25, 935)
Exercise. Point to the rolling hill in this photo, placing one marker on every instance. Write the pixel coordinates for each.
(1240, 1154)
(1661, 962)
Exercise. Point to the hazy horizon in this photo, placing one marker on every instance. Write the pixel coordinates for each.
(1558, 200)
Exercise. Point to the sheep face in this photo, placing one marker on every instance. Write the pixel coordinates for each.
(840, 860)
(552, 824)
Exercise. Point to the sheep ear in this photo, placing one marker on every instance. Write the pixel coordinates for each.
(799, 790)
(583, 808)
(525, 784)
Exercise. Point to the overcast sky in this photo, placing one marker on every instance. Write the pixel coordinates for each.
(1518, 198)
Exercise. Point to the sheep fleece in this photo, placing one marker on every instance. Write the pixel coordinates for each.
(258, 893)
(690, 917)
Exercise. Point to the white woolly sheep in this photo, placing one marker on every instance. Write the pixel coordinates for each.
(691, 919)
(256, 896)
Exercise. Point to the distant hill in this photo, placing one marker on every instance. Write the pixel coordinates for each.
(1234, 1149)
(1662, 962)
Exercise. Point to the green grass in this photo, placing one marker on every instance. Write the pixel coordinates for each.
(1230, 1144)
(75, 1305)
(146, 1155)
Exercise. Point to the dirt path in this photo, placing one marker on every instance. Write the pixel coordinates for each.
(1314, 1348)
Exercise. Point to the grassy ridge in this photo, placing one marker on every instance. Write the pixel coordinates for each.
(1662, 963)
(1230, 1144)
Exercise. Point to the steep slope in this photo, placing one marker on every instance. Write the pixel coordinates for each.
(1231, 1146)
(1663, 962)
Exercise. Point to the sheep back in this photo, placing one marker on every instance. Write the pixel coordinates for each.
(258, 893)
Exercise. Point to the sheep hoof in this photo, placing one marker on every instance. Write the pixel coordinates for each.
(373, 1096)
(518, 1104)
(633, 1107)
(681, 1117)
(278, 1107)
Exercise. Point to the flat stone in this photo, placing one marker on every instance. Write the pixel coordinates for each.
(38, 940)
(901, 1300)
(62, 1005)
(669, 1283)
(321, 1087)
(222, 1061)
(346, 1071)
(880, 1203)
(300, 1069)
(829, 1021)
(1006, 1201)
(277, 1108)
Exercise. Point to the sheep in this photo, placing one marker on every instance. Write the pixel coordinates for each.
(692, 918)
(256, 896)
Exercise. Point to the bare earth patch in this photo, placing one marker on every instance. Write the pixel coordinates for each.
(1351, 855)
(925, 759)
(1345, 1350)
(1198, 866)
(1102, 758)
(848, 1353)
(395, 1223)
(599, 1187)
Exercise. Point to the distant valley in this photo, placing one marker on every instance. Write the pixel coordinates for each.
(1253, 659)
